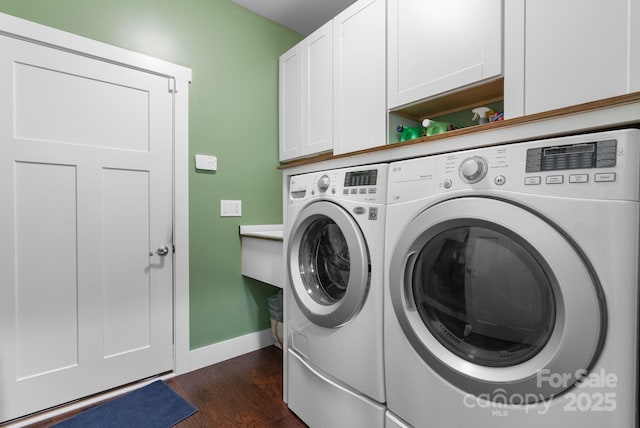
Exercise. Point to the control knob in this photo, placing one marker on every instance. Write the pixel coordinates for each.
(323, 183)
(473, 169)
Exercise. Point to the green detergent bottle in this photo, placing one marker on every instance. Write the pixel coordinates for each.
(433, 127)
(410, 132)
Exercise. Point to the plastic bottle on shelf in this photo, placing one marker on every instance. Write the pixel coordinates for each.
(434, 127)
(410, 132)
(481, 114)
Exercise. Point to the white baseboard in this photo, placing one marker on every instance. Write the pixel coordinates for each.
(212, 354)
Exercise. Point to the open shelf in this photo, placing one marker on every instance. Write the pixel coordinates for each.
(464, 99)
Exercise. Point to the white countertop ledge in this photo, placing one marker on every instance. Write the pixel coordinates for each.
(263, 231)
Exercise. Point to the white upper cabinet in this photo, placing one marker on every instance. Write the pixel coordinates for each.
(318, 109)
(439, 46)
(291, 91)
(360, 114)
(562, 53)
(306, 96)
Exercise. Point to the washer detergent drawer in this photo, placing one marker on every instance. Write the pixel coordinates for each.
(321, 402)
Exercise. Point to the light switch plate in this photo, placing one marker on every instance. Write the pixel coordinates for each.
(231, 208)
(206, 162)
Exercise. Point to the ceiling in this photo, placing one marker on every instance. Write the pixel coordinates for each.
(302, 16)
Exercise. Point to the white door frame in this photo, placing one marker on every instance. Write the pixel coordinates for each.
(178, 79)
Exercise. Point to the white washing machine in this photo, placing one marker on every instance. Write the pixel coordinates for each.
(511, 288)
(335, 257)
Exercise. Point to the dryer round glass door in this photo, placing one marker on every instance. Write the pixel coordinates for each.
(483, 294)
(494, 297)
(328, 264)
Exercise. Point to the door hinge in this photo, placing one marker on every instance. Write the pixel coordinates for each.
(172, 85)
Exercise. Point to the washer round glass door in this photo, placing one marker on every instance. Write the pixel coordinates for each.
(496, 299)
(328, 264)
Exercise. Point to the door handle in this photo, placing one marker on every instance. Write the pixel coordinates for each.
(409, 264)
(161, 251)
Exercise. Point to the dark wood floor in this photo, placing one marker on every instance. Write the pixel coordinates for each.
(245, 391)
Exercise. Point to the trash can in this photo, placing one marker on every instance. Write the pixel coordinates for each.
(275, 305)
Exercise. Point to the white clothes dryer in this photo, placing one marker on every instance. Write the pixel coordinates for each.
(335, 256)
(511, 289)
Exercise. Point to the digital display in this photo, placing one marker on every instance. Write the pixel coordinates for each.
(361, 178)
(580, 148)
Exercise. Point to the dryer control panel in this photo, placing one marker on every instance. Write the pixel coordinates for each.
(596, 154)
(364, 184)
(603, 166)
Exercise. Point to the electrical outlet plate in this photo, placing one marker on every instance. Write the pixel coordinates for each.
(231, 208)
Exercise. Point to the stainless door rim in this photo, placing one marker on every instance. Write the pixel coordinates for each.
(580, 311)
(340, 312)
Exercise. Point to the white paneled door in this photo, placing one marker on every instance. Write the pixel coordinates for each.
(86, 301)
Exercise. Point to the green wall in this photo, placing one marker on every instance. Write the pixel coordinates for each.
(233, 114)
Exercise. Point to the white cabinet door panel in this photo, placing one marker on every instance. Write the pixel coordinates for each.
(437, 47)
(359, 37)
(291, 92)
(319, 91)
(306, 96)
(576, 54)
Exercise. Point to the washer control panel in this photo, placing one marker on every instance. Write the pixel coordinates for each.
(596, 154)
(365, 184)
(555, 160)
(605, 165)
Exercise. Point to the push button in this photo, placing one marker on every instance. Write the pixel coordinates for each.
(603, 177)
(555, 179)
(532, 181)
(579, 178)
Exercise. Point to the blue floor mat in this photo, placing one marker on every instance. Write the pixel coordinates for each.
(153, 406)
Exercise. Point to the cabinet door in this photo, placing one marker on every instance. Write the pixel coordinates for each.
(439, 46)
(359, 40)
(291, 104)
(318, 109)
(577, 53)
